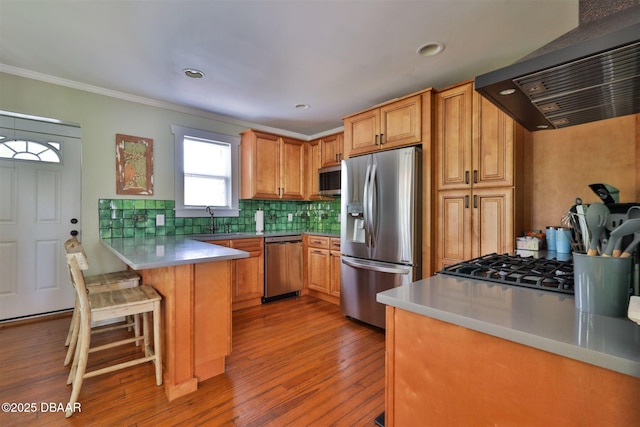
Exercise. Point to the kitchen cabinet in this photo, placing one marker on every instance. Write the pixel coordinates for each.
(474, 141)
(314, 162)
(474, 223)
(456, 373)
(247, 274)
(323, 267)
(332, 149)
(319, 264)
(391, 125)
(334, 253)
(478, 177)
(272, 166)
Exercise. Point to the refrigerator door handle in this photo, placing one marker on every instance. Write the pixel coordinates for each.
(373, 190)
(367, 189)
(380, 268)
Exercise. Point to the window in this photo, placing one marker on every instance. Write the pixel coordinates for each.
(18, 149)
(206, 172)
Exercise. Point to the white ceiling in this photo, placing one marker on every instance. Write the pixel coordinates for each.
(263, 57)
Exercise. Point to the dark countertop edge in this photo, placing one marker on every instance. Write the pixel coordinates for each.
(570, 351)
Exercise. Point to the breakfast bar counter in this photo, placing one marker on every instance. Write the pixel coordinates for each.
(468, 352)
(194, 279)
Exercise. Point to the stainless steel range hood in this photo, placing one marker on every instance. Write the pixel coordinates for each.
(591, 73)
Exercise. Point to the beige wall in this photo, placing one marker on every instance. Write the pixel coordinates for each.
(101, 118)
(565, 161)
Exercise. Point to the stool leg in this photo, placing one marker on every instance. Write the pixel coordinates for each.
(80, 365)
(73, 317)
(157, 343)
(145, 334)
(73, 330)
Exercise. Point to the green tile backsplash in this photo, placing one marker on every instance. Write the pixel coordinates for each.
(130, 217)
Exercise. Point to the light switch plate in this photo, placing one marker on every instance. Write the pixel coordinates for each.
(634, 309)
(160, 219)
(290, 217)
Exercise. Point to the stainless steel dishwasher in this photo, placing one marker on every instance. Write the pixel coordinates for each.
(283, 267)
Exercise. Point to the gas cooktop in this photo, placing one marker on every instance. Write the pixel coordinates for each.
(539, 273)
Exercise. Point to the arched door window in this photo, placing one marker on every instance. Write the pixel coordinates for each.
(18, 149)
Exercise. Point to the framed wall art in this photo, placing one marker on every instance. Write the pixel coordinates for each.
(134, 165)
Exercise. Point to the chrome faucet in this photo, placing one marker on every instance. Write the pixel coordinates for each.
(209, 210)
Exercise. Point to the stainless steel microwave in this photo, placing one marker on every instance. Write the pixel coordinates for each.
(329, 181)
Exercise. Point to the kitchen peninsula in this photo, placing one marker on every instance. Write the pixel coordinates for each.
(467, 352)
(194, 279)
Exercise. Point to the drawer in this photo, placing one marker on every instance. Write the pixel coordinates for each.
(321, 242)
(248, 245)
(335, 244)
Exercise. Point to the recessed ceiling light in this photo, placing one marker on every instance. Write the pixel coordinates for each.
(507, 92)
(193, 73)
(302, 106)
(543, 126)
(430, 49)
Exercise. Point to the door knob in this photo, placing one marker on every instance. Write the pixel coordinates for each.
(74, 233)
(74, 221)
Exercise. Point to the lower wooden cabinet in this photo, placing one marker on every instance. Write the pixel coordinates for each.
(334, 285)
(323, 267)
(247, 288)
(474, 223)
(318, 264)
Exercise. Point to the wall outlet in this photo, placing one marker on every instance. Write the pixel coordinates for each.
(159, 219)
(290, 217)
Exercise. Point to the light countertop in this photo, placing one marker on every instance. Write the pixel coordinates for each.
(142, 253)
(544, 320)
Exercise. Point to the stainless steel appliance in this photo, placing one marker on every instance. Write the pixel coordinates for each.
(329, 181)
(283, 267)
(381, 229)
(591, 73)
(538, 273)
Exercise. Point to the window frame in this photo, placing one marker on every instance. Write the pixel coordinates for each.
(182, 211)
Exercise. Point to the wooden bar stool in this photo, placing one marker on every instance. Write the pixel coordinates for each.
(140, 300)
(100, 283)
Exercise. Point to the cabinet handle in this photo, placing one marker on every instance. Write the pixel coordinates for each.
(381, 138)
(475, 201)
(376, 139)
(466, 177)
(317, 252)
(466, 202)
(475, 176)
(337, 157)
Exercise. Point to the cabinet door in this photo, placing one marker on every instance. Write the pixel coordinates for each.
(453, 233)
(334, 286)
(261, 165)
(314, 159)
(493, 221)
(248, 273)
(453, 137)
(332, 150)
(361, 133)
(493, 145)
(401, 123)
(318, 269)
(292, 169)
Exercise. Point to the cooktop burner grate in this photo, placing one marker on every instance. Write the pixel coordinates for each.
(538, 273)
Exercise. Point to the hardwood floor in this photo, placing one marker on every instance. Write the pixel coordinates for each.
(295, 362)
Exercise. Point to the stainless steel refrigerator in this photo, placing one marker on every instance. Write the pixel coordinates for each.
(381, 229)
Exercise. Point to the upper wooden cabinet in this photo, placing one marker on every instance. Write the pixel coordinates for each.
(474, 141)
(314, 159)
(272, 166)
(391, 125)
(332, 149)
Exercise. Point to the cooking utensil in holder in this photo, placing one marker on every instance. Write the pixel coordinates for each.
(602, 284)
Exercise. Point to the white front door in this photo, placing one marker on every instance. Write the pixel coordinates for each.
(40, 204)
